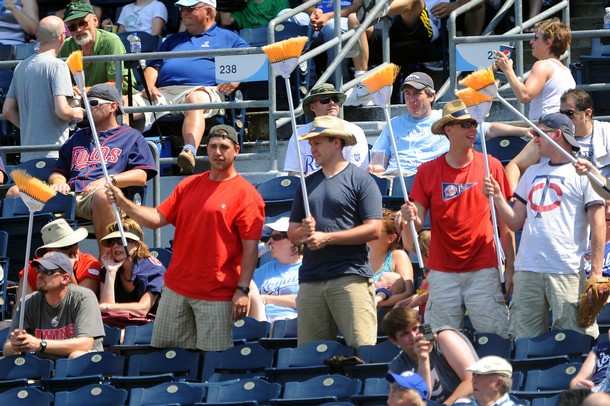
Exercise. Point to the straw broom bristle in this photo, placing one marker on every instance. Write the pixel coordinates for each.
(471, 97)
(33, 187)
(478, 79)
(383, 77)
(286, 49)
(75, 62)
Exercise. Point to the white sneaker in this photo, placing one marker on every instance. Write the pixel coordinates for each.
(358, 96)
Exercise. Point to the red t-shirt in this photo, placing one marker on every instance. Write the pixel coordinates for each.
(86, 266)
(460, 215)
(211, 219)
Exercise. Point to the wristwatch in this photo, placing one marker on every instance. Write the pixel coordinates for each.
(113, 180)
(43, 345)
(244, 289)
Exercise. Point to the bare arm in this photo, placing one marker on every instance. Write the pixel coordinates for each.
(27, 16)
(226, 18)
(514, 217)
(146, 216)
(65, 112)
(249, 257)
(584, 167)
(157, 26)
(506, 130)
(141, 308)
(525, 92)
(583, 379)
(10, 111)
(459, 356)
(401, 264)
(597, 220)
(90, 283)
(305, 233)
(22, 342)
(524, 159)
(411, 210)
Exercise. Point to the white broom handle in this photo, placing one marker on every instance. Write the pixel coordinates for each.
(403, 186)
(24, 285)
(294, 131)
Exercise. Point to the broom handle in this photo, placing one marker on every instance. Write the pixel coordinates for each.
(294, 131)
(565, 153)
(403, 186)
(115, 209)
(24, 286)
(494, 218)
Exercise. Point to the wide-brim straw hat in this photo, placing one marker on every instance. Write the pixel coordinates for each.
(453, 111)
(329, 126)
(325, 89)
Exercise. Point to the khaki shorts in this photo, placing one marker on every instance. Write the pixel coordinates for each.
(175, 95)
(83, 205)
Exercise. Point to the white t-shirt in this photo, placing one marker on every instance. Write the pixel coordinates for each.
(140, 18)
(357, 154)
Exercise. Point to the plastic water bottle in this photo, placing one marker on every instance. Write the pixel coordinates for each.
(263, 248)
(135, 46)
(74, 102)
(607, 18)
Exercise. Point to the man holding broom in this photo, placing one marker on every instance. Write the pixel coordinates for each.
(463, 263)
(336, 291)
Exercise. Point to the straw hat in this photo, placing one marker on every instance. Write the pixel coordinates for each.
(453, 111)
(59, 234)
(329, 126)
(325, 89)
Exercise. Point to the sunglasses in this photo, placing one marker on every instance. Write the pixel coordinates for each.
(47, 272)
(188, 9)
(279, 236)
(568, 113)
(95, 103)
(326, 100)
(466, 124)
(81, 24)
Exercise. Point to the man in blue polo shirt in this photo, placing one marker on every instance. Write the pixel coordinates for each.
(190, 80)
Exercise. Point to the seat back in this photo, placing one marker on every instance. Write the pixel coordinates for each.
(558, 342)
(278, 194)
(92, 395)
(40, 168)
(311, 354)
(493, 344)
(92, 363)
(504, 149)
(286, 328)
(182, 363)
(376, 386)
(60, 205)
(162, 254)
(323, 386)
(555, 378)
(250, 329)
(384, 351)
(3, 243)
(136, 335)
(247, 358)
(244, 390)
(167, 393)
(595, 69)
(25, 366)
(26, 396)
(112, 337)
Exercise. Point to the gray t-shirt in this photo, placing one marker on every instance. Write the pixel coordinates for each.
(36, 81)
(339, 203)
(77, 315)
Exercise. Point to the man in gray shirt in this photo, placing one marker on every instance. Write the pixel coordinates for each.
(37, 100)
(61, 320)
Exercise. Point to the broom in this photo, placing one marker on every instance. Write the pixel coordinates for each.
(284, 57)
(379, 84)
(34, 193)
(478, 106)
(484, 82)
(75, 63)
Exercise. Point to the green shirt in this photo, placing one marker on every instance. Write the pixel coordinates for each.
(106, 43)
(258, 14)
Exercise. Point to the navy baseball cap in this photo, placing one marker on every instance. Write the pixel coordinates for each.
(558, 121)
(106, 92)
(418, 80)
(409, 380)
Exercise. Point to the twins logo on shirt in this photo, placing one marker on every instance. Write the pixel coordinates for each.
(546, 193)
(81, 157)
(453, 190)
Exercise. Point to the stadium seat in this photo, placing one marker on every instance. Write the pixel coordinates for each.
(546, 401)
(383, 184)
(248, 360)
(166, 394)
(92, 395)
(243, 391)
(112, 337)
(553, 343)
(492, 344)
(278, 194)
(595, 70)
(102, 363)
(249, 329)
(283, 335)
(3, 243)
(504, 149)
(146, 381)
(184, 364)
(26, 396)
(137, 335)
(603, 321)
(375, 392)
(376, 357)
(25, 366)
(40, 168)
(555, 378)
(162, 254)
(319, 389)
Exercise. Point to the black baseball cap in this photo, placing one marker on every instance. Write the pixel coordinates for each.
(223, 131)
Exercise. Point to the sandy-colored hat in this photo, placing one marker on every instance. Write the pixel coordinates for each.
(492, 365)
(130, 234)
(325, 89)
(329, 126)
(59, 234)
(453, 111)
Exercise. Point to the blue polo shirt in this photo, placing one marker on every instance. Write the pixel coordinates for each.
(327, 6)
(198, 70)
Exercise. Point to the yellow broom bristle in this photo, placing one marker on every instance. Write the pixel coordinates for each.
(383, 77)
(33, 187)
(478, 79)
(286, 49)
(471, 97)
(75, 62)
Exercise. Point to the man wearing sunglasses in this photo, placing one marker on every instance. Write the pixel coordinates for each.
(558, 210)
(128, 160)
(324, 100)
(463, 263)
(61, 319)
(85, 36)
(189, 80)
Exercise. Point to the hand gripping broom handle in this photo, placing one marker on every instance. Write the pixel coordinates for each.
(403, 186)
(565, 153)
(494, 218)
(294, 131)
(115, 209)
(28, 247)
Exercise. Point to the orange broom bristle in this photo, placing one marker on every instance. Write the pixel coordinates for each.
(75, 62)
(471, 97)
(383, 77)
(33, 187)
(283, 50)
(479, 79)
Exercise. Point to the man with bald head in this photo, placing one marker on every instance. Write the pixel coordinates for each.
(37, 100)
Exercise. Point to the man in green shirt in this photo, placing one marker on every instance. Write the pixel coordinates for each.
(257, 13)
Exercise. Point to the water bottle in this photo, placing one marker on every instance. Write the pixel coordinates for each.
(607, 18)
(135, 46)
(263, 248)
(74, 102)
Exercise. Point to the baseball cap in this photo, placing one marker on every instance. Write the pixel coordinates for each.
(131, 234)
(492, 365)
(329, 126)
(223, 131)
(59, 234)
(558, 121)
(280, 224)
(409, 380)
(418, 80)
(55, 260)
(190, 3)
(106, 92)
(78, 9)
